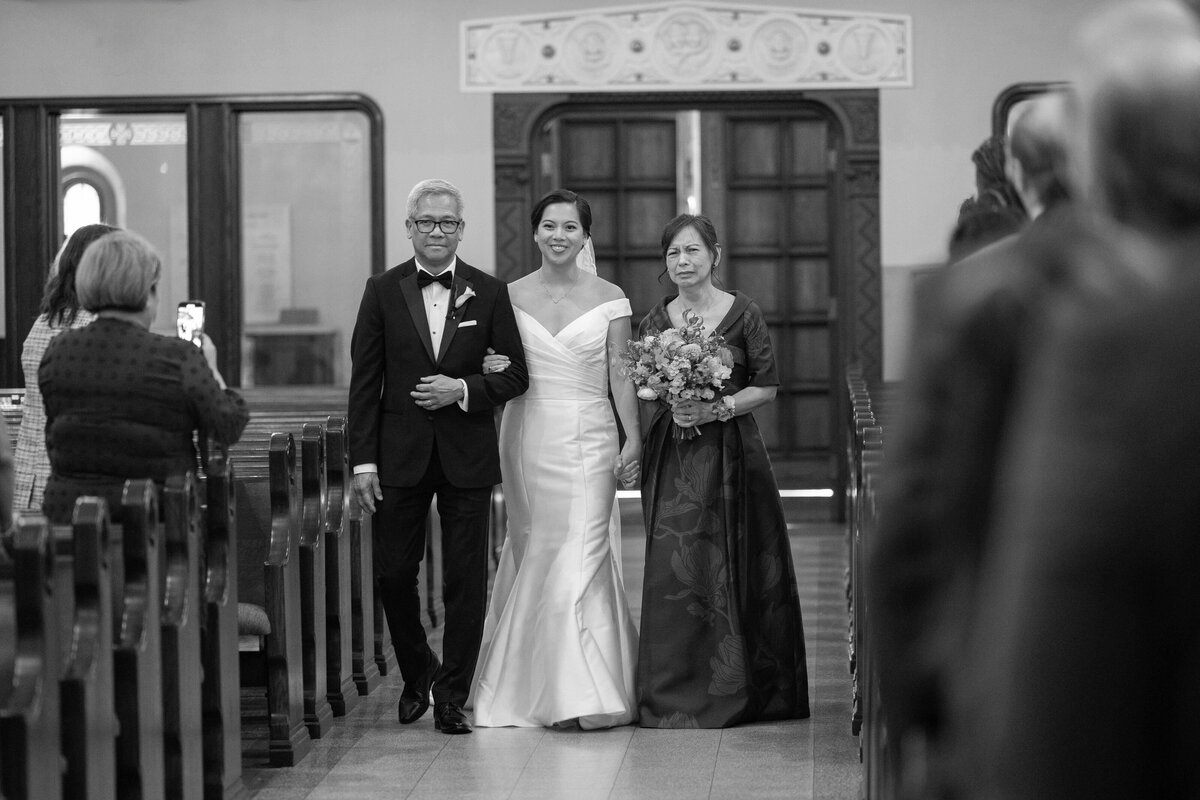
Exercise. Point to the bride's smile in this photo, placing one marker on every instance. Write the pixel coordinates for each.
(560, 235)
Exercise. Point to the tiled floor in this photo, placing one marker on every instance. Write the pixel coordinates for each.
(369, 755)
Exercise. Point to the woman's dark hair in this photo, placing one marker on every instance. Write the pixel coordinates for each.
(60, 303)
(563, 196)
(980, 224)
(991, 181)
(702, 225)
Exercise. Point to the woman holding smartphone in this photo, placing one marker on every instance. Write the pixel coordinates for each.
(122, 402)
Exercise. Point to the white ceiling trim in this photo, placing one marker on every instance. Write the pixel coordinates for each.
(680, 46)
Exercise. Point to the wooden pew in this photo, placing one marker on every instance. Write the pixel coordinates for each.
(268, 521)
(318, 715)
(84, 554)
(290, 740)
(182, 664)
(137, 645)
(869, 407)
(31, 652)
(221, 687)
(342, 692)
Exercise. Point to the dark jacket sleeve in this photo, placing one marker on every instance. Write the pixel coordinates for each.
(366, 378)
(219, 414)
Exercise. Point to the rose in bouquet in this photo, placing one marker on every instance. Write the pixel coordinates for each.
(679, 364)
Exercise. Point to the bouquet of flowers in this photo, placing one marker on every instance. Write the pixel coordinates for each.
(680, 364)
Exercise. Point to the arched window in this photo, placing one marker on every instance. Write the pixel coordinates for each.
(90, 188)
(83, 204)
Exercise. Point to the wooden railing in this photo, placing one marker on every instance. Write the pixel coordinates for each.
(868, 407)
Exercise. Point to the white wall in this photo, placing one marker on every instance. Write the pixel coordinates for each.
(404, 54)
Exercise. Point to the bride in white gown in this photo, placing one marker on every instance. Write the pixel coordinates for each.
(559, 643)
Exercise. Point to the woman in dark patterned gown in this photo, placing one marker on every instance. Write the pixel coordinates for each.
(722, 641)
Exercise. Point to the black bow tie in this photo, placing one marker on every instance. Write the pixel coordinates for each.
(424, 278)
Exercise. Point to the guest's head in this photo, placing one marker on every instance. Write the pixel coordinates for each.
(691, 250)
(1037, 153)
(435, 222)
(991, 178)
(1139, 111)
(60, 302)
(119, 272)
(562, 221)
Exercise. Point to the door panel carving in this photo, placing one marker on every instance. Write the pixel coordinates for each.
(791, 181)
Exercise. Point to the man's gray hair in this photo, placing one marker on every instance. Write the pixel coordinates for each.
(433, 186)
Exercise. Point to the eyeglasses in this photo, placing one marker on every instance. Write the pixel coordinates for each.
(427, 225)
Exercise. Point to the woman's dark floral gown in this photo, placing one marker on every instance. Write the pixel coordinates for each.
(722, 641)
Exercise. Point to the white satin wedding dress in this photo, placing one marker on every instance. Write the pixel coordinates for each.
(559, 643)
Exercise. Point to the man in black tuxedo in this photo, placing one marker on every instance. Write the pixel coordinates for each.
(421, 424)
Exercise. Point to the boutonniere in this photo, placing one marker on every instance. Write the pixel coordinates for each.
(461, 300)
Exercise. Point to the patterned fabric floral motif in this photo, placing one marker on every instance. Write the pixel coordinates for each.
(721, 635)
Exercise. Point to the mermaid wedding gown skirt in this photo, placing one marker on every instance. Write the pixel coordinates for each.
(559, 643)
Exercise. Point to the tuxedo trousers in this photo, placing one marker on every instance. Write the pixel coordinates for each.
(398, 538)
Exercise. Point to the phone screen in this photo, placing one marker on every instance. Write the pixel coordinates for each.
(190, 321)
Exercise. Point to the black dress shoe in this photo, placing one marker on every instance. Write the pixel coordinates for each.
(414, 700)
(449, 718)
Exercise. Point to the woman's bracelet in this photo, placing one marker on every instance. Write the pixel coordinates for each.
(724, 409)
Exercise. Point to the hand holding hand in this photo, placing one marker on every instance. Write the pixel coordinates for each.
(495, 362)
(367, 491)
(437, 391)
(627, 474)
(627, 469)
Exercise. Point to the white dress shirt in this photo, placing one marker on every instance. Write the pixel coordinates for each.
(437, 305)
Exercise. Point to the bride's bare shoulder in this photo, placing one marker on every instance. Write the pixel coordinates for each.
(605, 291)
(523, 286)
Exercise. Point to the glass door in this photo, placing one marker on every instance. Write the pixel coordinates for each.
(130, 170)
(306, 243)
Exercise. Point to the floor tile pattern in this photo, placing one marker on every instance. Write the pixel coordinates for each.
(368, 755)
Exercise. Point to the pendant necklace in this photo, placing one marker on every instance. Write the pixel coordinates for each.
(707, 307)
(553, 299)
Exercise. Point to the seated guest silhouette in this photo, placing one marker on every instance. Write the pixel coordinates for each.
(123, 402)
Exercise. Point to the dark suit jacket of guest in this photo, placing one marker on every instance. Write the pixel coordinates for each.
(979, 323)
(1087, 645)
(392, 351)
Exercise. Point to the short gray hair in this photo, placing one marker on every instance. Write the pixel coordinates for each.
(117, 271)
(434, 186)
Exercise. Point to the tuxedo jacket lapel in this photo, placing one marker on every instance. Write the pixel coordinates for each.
(461, 284)
(416, 308)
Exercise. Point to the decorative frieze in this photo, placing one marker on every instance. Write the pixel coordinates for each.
(118, 133)
(681, 46)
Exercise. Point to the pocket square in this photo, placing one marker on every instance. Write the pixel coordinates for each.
(466, 323)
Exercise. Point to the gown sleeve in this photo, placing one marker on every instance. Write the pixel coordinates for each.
(760, 356)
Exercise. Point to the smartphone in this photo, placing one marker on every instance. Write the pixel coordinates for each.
(189, 323)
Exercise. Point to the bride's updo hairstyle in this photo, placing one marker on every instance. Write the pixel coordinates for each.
(563, 196)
